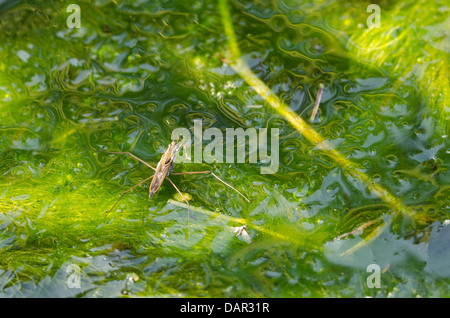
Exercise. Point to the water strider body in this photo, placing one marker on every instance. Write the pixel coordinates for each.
(165, 166)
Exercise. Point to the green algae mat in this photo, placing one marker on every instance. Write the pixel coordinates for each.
(331, 117)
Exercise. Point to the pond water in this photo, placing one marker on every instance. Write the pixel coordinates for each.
(369, 220)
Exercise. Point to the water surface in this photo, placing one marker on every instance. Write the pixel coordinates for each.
(135, 71)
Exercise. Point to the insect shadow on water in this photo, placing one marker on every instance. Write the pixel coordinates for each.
(165, 167)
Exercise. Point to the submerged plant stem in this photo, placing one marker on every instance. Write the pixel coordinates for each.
(297, 122)
(237, 220)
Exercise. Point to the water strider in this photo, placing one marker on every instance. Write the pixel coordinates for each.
(165, 167)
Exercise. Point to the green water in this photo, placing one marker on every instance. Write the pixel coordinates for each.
(137, 70)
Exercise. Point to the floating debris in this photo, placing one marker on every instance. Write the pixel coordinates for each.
(241, 233)
(316, 105)
(358, 230)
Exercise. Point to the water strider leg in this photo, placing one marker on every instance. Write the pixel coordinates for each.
(128, 191)
(123, 153)
(187, 202)
(198, 172)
